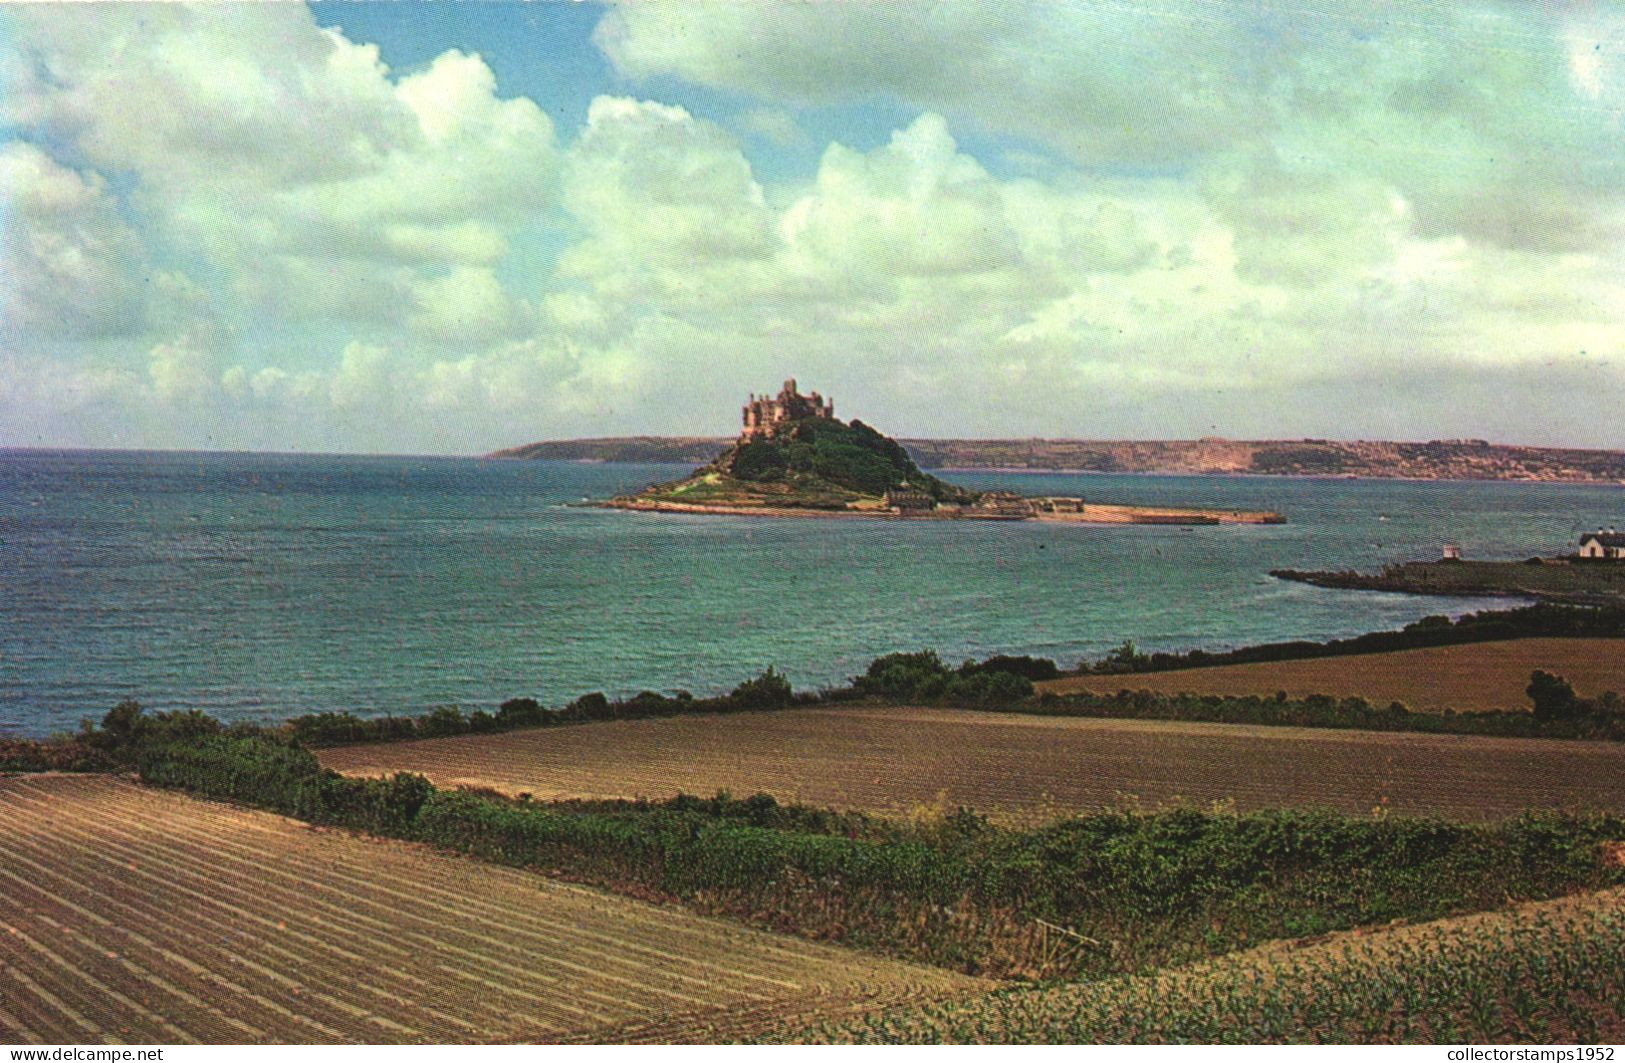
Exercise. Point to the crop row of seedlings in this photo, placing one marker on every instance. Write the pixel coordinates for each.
(139, 916)
(1540, 977)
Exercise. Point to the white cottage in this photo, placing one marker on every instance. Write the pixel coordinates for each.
(1609, 544)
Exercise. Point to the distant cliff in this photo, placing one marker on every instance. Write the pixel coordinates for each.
(676, 450)
(1449, 459)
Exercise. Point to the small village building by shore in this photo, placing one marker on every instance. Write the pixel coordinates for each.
(906, 500)
(1003, 504)
(1603, 545)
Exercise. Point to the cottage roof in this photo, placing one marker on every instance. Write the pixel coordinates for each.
(1604, 538)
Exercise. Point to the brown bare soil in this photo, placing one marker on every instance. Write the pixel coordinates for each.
(136, 916)
(1481, 676)
(1017, 768)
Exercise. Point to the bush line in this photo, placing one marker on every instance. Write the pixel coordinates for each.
(1003, 683)
(1599, 719)
(1148, 889)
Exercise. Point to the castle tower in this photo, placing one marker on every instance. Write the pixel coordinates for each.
(763, 416)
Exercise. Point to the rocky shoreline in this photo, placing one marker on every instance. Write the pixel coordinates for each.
(1088, 514)
(1540, 579)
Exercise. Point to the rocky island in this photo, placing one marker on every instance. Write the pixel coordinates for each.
(794, 457)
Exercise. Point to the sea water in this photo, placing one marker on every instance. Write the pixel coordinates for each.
(260, 586)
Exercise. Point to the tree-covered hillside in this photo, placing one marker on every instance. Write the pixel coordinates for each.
(816, 463)
(823, 452)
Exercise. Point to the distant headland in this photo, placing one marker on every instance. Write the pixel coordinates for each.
(794, 457)
(1439, 459)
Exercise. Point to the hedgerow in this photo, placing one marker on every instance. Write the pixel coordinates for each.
(1601, 718)
(997, 681)
(1147, 889)
(71, 754)
(769, 690)
(265, 773)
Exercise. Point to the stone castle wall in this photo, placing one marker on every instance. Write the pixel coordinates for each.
(763, 416)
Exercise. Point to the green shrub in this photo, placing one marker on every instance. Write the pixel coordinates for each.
(923, 678)
(905, 677)
(1036, 669)
(759, 460)
(265, 773)
(522, 712)
(442, 721)
(1553, 697)
(594, 706)
(128, 727)
(341, 728)
(770, 690)
(988, 689)
(67, 754)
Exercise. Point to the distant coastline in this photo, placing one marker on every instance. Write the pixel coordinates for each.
(1463, 460)
(1561, 580)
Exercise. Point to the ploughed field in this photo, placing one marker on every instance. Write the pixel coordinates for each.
(1476, 677)
(134, 915)
(1016, 768)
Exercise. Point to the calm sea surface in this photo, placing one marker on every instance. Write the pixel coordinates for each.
(260, 586)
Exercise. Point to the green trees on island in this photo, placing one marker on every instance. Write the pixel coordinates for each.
(851, 456)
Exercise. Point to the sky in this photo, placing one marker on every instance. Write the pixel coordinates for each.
(448, 228)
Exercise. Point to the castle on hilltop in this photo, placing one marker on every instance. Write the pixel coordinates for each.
(764, 416)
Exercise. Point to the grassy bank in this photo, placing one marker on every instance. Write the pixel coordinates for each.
(1549, 974)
